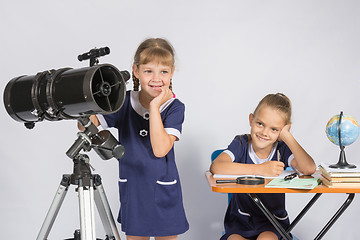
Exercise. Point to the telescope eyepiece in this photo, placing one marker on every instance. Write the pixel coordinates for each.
(94, 53)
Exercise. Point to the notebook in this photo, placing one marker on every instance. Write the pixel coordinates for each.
(296, 183)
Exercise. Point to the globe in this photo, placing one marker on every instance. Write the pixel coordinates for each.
(349, 130)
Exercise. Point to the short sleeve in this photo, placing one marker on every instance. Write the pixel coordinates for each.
(286, 154)
(173, 118)
(237, 149)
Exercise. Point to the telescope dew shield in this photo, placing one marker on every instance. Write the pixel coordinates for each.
(66, 93)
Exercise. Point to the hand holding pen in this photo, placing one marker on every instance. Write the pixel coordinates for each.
(290, 176)
(271, 168)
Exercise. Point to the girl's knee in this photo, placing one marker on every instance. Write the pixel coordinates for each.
(236, 237)
(268, 235)
(136, 238)
(167, 238)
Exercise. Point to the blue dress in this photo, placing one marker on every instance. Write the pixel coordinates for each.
(150, 190)
(243, 217)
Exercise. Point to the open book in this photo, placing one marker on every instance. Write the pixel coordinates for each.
(297, 183)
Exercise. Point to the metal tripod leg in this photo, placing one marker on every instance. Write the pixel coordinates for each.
(88, 193)
(86, 208)
(54, 208)
(104, 210)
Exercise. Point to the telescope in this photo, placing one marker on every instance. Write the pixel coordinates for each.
(69, 93)
(65, 94)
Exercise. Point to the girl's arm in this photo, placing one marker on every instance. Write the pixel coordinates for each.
(223, 164)
(302, 160)
(93, 119)
(161, 141)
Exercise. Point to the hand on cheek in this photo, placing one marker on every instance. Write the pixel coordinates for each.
(284, 132)
(164, 96)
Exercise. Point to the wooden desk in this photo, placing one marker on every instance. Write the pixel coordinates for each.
(251, 190)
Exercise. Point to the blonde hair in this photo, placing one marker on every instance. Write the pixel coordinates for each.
(153, 49)
(278, 101)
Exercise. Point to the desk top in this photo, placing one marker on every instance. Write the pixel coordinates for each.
(241, 188)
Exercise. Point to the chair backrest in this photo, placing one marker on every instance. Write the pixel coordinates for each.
(216, 153)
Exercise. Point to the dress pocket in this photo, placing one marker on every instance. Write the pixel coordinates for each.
(286, 217)
(166, 193)
(245, 218)
(123, 189)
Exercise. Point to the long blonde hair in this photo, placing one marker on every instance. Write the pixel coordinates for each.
(153, 49)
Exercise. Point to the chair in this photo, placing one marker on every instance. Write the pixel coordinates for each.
(214, 155)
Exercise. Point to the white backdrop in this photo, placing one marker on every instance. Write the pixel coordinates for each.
(229, 55)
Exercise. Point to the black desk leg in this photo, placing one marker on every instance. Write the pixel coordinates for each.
(302, 213)
(271, 218)
(336, 216)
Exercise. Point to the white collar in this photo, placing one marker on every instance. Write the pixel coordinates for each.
(258, 160)
(139, 109)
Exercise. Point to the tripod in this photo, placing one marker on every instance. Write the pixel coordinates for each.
(89, 188)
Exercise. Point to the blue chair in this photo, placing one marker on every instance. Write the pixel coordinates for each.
(214, 155)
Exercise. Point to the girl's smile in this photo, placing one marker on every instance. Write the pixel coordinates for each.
(153, 76)
(266, 126)
(262, 139)
(156, 87)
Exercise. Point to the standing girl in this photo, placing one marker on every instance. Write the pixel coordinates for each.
(257, 154)
(149, 123)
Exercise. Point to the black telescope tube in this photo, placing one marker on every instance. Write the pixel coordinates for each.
(66, 93)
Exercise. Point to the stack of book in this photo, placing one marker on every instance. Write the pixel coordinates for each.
(336, 177)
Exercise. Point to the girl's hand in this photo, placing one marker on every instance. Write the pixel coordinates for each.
(271, 168)
(161, 141)
(284, 133)
(164, 96)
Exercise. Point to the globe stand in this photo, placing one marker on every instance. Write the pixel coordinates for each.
(342, 163)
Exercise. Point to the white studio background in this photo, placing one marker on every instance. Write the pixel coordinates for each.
(229, 55)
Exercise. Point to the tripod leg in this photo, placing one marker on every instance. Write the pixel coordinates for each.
(86, 207)
(104, 210)
(54, 208)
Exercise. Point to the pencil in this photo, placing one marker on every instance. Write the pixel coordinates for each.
(278, 155)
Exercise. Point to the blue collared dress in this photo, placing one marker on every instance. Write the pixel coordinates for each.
(150, 190)
(243, 217)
